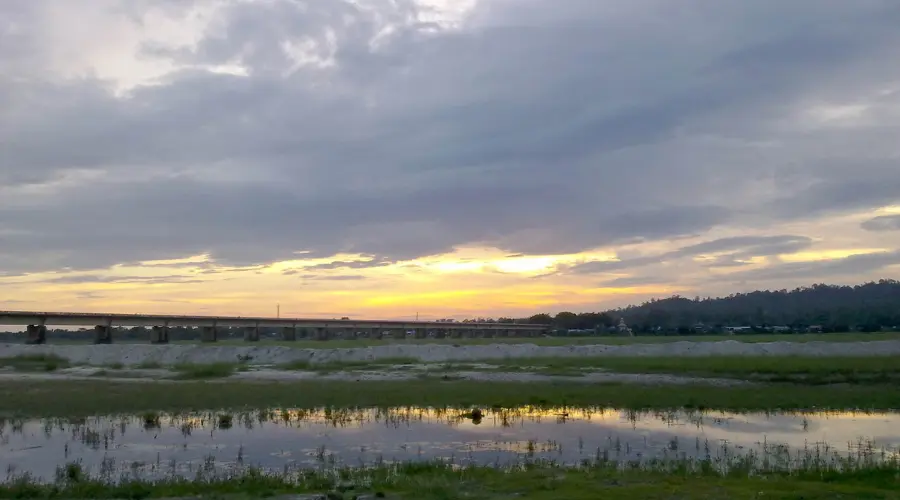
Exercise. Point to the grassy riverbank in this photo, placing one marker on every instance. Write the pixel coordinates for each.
(83, 398)
(543, 341)
(440, 482)
(797, 369)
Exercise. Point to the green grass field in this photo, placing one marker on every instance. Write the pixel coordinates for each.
(34, 363)
(82, 398)
(796, 369)
(429, 481)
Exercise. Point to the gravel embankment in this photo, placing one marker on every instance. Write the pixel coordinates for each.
(136, 354)
(271, 375)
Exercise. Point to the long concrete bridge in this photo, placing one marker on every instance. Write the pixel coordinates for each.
(291, 328)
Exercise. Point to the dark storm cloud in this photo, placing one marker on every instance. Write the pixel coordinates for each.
(883, 223)
(540, 127)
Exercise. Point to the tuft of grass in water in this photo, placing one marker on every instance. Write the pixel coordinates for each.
(151, 420)
(35, 362)
(224, 421)
(205, 371)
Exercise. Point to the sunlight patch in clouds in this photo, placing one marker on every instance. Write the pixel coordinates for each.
(832, 254)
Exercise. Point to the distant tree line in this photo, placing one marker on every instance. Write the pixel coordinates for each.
(869, 307)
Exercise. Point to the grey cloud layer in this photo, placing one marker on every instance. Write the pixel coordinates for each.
(883, 223)
(540, 126)
(738, 248)
(853, 265)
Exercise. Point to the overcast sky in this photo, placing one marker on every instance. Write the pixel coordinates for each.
(446, 157)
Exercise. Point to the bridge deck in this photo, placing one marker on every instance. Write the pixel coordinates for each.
(130, 320)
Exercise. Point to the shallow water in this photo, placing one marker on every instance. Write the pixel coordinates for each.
(154, 445)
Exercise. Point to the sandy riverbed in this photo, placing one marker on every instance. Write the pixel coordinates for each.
(260, 354)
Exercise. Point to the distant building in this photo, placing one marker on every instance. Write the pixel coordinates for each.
(623, 329)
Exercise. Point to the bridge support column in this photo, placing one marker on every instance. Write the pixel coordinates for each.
(289, 333)
(103, 334)
(159, 335)
(440, 333)
(323, 334)
(251, 334)
(454, 333)
(487, 333)
(208, 334)
(421, 333)
(375, 333)
(37, 334)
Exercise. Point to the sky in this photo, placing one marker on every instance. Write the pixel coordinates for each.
(442, 158)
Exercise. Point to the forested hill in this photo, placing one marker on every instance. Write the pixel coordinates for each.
(867, 307)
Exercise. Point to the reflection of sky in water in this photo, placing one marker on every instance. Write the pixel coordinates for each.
(289, 439)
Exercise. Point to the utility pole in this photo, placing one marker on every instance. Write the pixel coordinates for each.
(278, 310)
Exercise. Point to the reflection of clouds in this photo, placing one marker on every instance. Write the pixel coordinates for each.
(280, 438)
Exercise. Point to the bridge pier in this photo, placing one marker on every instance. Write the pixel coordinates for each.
(323, 334)
(103, 334)
(208, 334)
(159, 335)
(375, 333)
(251, 334)
(37, 334)
(440, 333)
(421, 333)
(487, 333)
(289, 333)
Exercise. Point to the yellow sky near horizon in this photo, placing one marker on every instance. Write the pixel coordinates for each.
(469, 282)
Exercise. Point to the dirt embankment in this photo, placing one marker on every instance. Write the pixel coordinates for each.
(260, 354)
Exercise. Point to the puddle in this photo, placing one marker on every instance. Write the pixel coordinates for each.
(280, 440)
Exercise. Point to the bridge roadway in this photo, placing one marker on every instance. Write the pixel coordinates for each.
(291, 328)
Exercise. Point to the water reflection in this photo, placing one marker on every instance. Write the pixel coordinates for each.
(155, 444)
